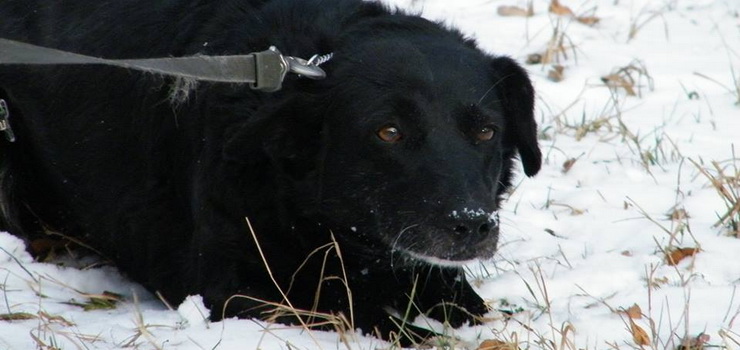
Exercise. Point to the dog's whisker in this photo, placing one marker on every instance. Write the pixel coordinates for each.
(394, 245)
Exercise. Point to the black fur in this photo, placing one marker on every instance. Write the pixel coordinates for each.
(163, 187)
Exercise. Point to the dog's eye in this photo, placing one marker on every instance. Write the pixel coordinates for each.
(389, 134)
(484, 133)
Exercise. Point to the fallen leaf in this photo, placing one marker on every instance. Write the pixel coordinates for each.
(494, 344)
(639, 335)
(556, 73)
(558, 9)
(678, 214)
(617, 81)
(634, 312)
(568, 164)
(588, 20)
(674, 256)
(534, 58)
(695, 343)
(513, 11)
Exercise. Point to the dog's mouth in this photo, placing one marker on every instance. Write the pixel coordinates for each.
(448, 253)
(450, 243)
(436, 261)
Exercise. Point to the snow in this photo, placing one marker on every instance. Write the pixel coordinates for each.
(576, 245)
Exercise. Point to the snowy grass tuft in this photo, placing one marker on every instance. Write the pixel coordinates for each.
(724, 178)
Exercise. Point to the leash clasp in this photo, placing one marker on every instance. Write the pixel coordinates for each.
(5, 121)
(271, 67)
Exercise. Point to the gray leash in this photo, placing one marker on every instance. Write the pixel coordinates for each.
(264, 71)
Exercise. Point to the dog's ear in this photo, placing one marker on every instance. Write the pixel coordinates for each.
(515, 91)
(286, 135)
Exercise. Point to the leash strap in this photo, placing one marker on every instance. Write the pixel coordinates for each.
(264, 71)
(5, 121)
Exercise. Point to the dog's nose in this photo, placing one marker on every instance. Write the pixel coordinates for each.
(473, 230)
(479, 227)
(473, 226)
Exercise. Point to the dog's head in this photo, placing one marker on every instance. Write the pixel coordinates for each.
(408, 145)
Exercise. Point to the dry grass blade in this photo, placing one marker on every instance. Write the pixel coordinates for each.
(558, 46)
(20, 265)
(307, 319)
(292, 309)
(726, 181)
(55, 319)
(644, 17)
(735, 90)
(17, 316)
(105, 301)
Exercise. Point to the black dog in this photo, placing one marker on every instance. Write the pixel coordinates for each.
(366, 190)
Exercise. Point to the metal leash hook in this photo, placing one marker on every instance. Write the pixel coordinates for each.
(272, 67)
(305, 68)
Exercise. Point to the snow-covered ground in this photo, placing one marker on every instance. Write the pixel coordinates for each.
(584, 240)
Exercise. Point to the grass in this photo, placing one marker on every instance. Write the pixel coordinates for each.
(734, 90)
(724, 178)
(559, 45)
(732, 55)
(646, 15)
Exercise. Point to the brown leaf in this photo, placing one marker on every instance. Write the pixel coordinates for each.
(494, 344)
(639, 335)
(634, 312)
(513, 11)
(535, 58)
(616, 81)
(556, 73)
(696, 343)
(558, 9)
(568, 164)
(588, 20)
(678, 214)
(674, 256)
(45, 248)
